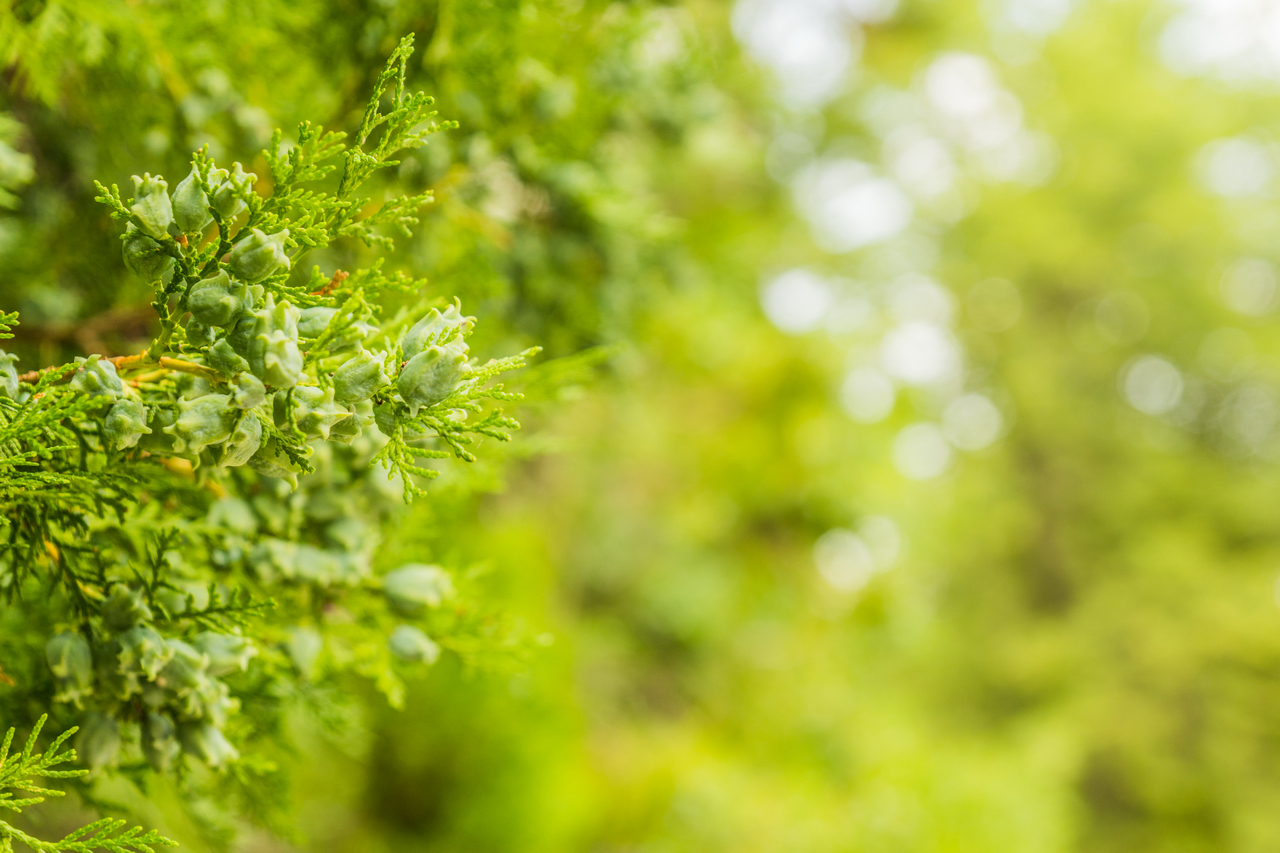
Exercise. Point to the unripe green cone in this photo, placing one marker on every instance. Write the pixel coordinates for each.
(224, 359)
(185, 671)
(314, 320)
(125, 423)
(207, 743)
(258, 255)
(143, 651)
(273, 351)
(202, 422)
(306, 562)
(411, 644)
(112, 682)
(191, 205)
(124, 608)
(432, 375)
(281, 360)
(271, 461)
(219, 299)
(151, 205)
(303, 647)
(245, 440)
(386, 415)
(359, 378)
(351, 337)
(227, 653)
(247, 391)
(240, 333)
(193, 387)
(347, 429)
(98, 743)
(143, 256)
(435, 328)
(97, 378)
(315, 411)
(69, 657)
(227, 189)
(415, 586)
(213, 702)
(218, 180)
(159, 741)
(200, 335)
(158, 440)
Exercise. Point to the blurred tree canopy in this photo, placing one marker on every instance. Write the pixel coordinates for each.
(922, 497)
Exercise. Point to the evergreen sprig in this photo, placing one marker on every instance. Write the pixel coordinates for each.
(20, 772)
(198, 522)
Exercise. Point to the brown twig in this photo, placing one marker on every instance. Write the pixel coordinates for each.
(181, 366)
(138, 381)
(33, 375)
(339, 277)
(126, 362)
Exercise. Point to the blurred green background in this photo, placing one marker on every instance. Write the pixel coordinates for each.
(902, 473)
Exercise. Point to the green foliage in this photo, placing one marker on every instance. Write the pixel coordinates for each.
(15, 167)
(198, 522)
(1075, 646)
(19, 773)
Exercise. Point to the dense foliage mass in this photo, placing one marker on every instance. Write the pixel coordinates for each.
(921, 499)
(164, 567)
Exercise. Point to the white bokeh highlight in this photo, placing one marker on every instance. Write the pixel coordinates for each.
(847, 561)
(921, 163)
(804, 43)
(883, 540)
(1238, 167)
(796, 301)
(849, 205)
(920, 353)
(1248, 287)
(843, 560)
(1036, 17)
(972, 422)
(1249, 415)
(1235, 40)
(867, 395)
(1151, 384)
(916, 297)
(921, 452)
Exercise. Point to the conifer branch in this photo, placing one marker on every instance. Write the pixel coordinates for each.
(20, 772)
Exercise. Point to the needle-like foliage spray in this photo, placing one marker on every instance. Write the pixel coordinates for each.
(190, 531)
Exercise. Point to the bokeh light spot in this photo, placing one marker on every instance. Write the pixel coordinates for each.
(1151, 384)
(867, 395)
(920, 353)
(1235, 168)
(972, 422)
(921, 452)
(843, 559)
(1249, 287)
(796, 300)
(883, 540)
(849, 206)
